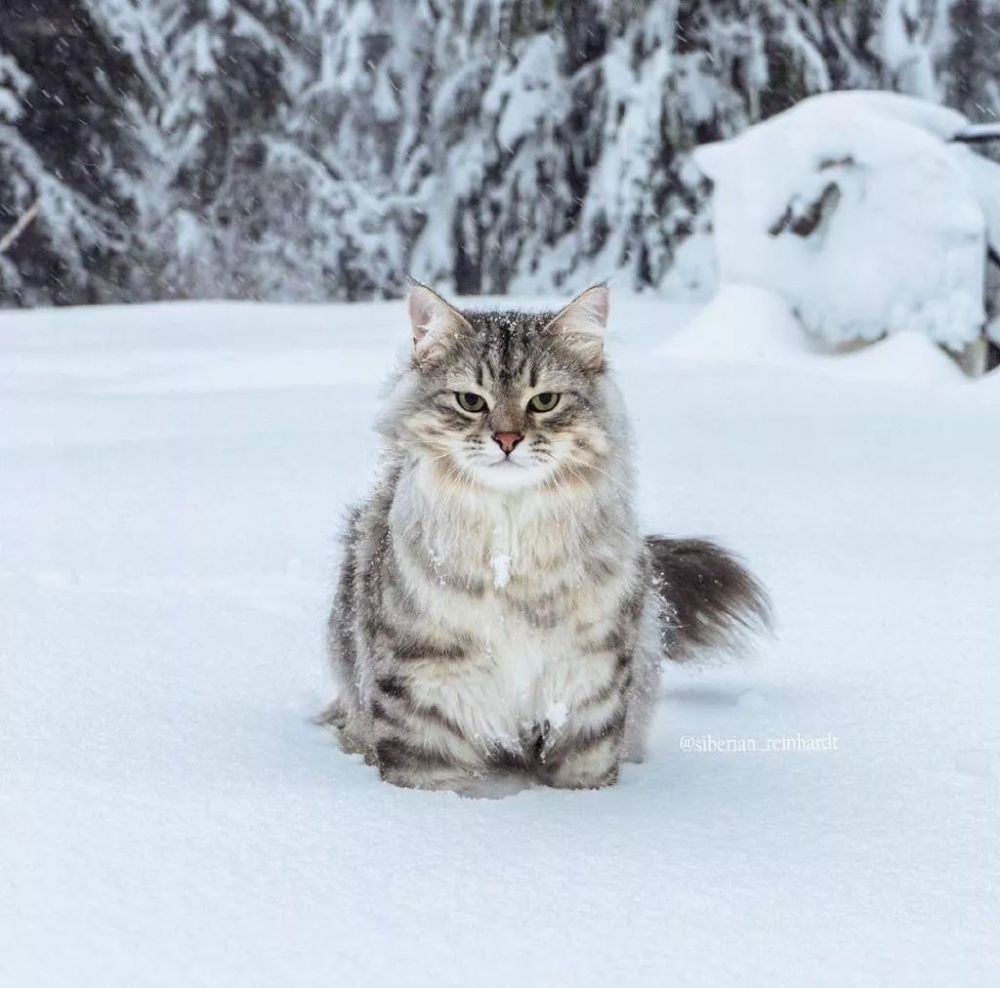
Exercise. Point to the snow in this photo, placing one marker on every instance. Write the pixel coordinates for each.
(169, 814)
(534, 80)
(902, 215)
(13, 85)
(500, 564)
(10, 108)
(747, 324)
(906, 47)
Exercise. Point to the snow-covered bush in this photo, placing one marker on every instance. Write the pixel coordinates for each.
(862, 212)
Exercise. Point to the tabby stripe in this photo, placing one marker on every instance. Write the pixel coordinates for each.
(415, 649)
(504, 760)
(403, 646)
(397, 753)
(583, 742)
(561, 419)
(416, 554)
(386, 716)
(439, 717)
(620, 681)
(392, 686)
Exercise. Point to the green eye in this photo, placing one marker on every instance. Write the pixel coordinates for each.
(468, 401)
(543, 402)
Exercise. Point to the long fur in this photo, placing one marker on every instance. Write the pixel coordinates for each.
(502, 615)
(711, 600)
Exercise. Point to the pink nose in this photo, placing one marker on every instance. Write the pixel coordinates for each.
(507, 440)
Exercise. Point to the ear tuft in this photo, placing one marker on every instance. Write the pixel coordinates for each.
(585, 320)
(432, 319)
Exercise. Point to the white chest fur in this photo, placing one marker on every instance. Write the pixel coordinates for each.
(519, 673)
(515, 678)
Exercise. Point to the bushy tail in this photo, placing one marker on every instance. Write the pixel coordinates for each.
(711, 600)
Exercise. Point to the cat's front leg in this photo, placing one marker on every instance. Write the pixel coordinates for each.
(584, 747)
(586, 760)
(416, 745)
(345, 718)
(586, 751)
(413, 766)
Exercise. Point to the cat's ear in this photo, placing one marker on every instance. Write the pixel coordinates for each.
(584, 322)
(432, 319)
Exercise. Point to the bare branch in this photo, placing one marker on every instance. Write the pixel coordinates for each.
(8, 239)
(978, 134)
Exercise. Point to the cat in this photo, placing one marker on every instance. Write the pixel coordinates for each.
(498, 613)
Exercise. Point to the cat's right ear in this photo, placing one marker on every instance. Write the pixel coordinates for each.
(432, 320)
(583, 324)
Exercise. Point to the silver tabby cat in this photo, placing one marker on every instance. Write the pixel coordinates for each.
(498, 612)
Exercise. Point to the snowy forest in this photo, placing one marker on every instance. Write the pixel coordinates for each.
(323, 149)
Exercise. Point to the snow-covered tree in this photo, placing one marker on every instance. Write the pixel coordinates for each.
(320, 149)
(59, 235)
(970, 76)
(214, 76)
(561, 142)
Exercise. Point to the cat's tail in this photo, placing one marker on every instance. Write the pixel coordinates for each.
(711, 600)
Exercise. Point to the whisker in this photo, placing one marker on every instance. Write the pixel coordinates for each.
(591, 466)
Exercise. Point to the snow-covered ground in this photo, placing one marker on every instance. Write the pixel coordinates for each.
(171, 482)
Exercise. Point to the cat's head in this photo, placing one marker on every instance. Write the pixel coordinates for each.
(508, 400)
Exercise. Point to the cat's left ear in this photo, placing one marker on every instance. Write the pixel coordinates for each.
(584, 322)
(432, 320)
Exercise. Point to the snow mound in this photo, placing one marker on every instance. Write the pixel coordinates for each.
(904, 357)
(854, 208)
(749, 325)
(741, 323)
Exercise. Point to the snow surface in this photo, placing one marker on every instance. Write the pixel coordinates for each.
(171, 481)
(744, 323)
(901, 245)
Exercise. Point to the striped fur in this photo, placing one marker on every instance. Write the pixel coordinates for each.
(503, 615)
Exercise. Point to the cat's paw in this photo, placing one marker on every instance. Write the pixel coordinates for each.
(337, 717)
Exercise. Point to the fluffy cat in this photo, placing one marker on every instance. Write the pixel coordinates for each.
(498, 612)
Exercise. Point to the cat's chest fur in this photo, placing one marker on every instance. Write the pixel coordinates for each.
(524, 591)
(495, 565)
(518, 674)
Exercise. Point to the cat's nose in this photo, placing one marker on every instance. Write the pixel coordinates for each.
(507, 440)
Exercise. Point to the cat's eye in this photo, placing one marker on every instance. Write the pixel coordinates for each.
(543, 402)
(469, 401)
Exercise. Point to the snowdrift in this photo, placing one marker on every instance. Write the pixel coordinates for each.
(744, 324)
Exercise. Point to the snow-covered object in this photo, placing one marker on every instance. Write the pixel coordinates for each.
(747, 325)
(907, 43)
(984, 175)
(741, 323)
(855, 208)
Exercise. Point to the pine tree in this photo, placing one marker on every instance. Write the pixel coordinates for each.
(57, 129)
(970, 68)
